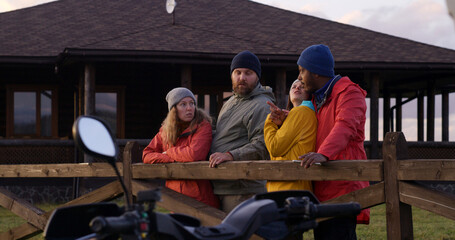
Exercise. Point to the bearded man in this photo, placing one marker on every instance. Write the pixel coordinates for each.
(239, 131)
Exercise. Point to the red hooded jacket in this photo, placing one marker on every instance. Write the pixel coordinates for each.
(190, 147)
(340, 136)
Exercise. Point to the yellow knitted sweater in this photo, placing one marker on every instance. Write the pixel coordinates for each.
(295, 137)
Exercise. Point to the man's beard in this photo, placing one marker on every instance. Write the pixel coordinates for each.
(247, 89)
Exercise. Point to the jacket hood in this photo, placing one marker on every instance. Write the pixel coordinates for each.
(341, 85)
(344, 83)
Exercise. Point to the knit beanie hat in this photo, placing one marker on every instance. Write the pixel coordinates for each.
(246, 59)
(177, 94)
(317, 59)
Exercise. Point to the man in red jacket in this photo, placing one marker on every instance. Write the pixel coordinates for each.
(340, 109)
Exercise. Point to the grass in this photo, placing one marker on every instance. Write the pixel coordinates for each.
(10, 220)
(426, 225)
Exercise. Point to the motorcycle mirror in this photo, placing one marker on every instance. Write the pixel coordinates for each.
(94, 137)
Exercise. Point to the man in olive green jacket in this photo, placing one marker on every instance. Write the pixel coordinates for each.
(240, 129)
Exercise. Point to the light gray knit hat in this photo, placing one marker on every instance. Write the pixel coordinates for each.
(175, 95)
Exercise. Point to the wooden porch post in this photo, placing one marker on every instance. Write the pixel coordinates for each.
(399, 115)
(185, 78)
(89, 89)
(131, 153)
(78, 111)
(280, 85)
(445, 116)
(398, 214)
(420, 116)
(201, 101)
(386, 110)
(214, 104)
(374, 117)
(89, 96)
(430, 111)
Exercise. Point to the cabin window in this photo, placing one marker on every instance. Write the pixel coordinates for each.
(31, 112)
(109, 107)
(106, 108)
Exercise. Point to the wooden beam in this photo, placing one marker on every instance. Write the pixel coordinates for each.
(358, 170)
(426, 169)
(362, 170)
(366, 197)
(23, 231)
(60, 170)
(431, 200)
(180, 203)
(398, 214)
(22, 208)
(107, 192)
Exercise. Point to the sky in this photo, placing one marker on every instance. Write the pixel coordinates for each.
(424, 21)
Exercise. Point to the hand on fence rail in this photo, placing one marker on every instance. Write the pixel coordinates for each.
(311, 158)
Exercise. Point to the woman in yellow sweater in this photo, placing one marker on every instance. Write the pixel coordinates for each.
(296, 135)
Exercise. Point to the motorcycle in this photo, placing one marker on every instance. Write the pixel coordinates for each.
(273, 215)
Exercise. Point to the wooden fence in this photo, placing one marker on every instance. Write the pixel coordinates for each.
(395, 175)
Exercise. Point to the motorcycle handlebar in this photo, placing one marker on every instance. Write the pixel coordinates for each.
(303, 206)
(114, 225)
(298, 210)
(333, 210)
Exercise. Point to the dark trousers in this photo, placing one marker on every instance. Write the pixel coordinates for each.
(336, 228)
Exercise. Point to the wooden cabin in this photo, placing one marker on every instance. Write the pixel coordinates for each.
(118, 59)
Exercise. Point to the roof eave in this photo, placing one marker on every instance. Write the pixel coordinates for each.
(394, 66)
(27, 59)
(71, 55)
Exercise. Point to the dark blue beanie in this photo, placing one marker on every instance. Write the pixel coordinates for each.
(317, 59)
(246, 59)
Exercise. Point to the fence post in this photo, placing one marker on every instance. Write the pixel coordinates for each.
(130, 153)
(398, 214)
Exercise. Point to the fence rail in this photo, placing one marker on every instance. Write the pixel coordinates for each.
(359, 170)
(395, 174)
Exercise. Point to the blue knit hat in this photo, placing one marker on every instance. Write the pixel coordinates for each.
(317, 59)
(175, 95)
(246, 59)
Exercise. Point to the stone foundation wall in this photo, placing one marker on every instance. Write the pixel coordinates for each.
(48, 190)
(43, 194)
(447, 187)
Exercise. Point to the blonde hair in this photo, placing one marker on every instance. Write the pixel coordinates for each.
(173, 126)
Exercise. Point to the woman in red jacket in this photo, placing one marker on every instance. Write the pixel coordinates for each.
(185, 136)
